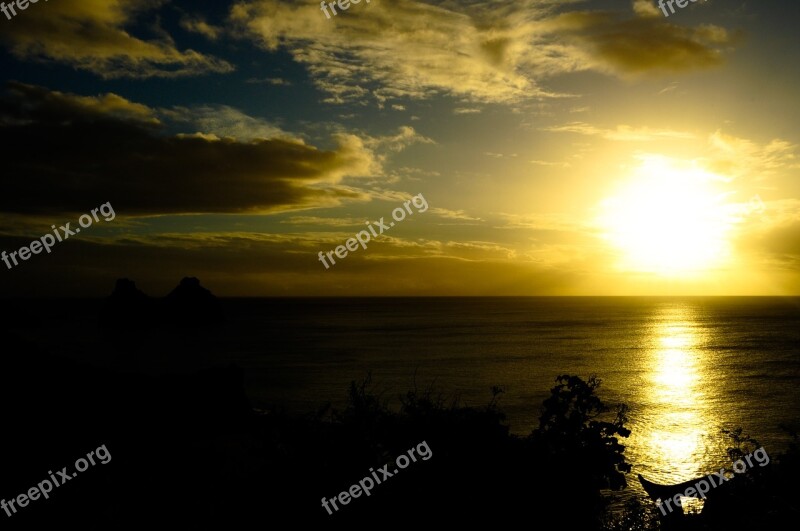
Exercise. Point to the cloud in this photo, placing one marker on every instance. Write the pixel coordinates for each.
(472, 52)
(614, 43)
(622, 132)
(95, 35)
(646, 8)
(460, 215)
(329, 222)
(268, 264)
(743, 158)
(105, 106)
(499, 155)
(502, 51)
(476, 250)
(542, 222)
(66, 153)
(223, 121)
(549, 163)
(669, 88)
(405, 137)
(196, 24)
(277, 81)
(772, 234)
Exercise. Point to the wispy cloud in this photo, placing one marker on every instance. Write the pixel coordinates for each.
(223, 121)
(500, 51)
(743, 158)
(622, 132)
(277, 81)
(549, 163)
(454, 214)
(473, 52)
(406, 136)
(196, 24)
(328, 222)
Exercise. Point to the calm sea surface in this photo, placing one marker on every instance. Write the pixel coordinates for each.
(686, 366)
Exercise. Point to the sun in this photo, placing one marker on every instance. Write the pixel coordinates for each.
(667, 220)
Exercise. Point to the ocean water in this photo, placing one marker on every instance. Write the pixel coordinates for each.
(686, 367)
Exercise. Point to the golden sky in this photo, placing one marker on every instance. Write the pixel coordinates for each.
(561, 147)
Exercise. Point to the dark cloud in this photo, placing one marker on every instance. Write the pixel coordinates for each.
(66, 153)
(644, 43)
(96, 36)
(779, 244)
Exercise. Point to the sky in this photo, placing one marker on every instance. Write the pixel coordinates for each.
(520, 147)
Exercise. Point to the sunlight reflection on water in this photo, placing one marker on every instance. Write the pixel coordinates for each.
(678, 373)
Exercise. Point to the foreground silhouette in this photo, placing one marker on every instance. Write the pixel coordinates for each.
(760, 497)
(190, 452)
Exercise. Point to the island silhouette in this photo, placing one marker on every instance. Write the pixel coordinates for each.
(188, 305)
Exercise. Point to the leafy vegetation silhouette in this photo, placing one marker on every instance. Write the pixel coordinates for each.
(479, 471)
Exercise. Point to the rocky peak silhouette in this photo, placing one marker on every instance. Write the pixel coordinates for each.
(126, 306)
(188, 305)
(126, 289)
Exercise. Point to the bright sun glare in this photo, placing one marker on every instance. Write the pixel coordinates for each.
(667, 220)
